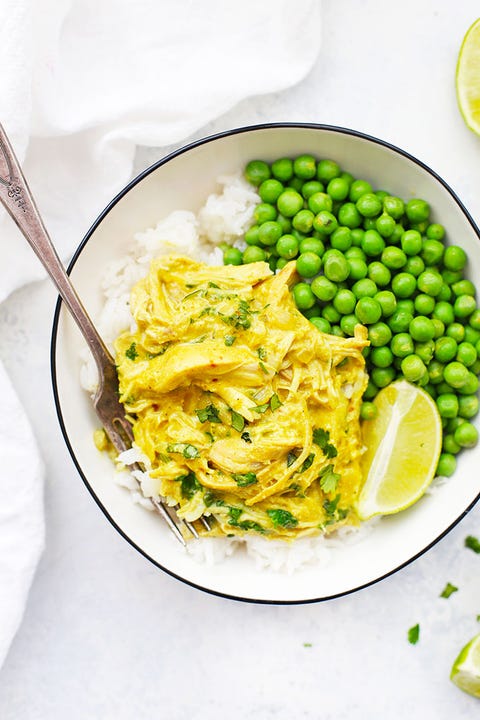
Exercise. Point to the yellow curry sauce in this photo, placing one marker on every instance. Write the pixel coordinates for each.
(246, 411)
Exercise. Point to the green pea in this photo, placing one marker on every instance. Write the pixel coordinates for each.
(454, 258)
(456, 331)
(281, 262)
(413, 368)
(380, 274)
(337, 330)
(311, 187)
(323, 288)
(305, 167)
(400, 320)
(379, 334)
(383, 376)
(417, 210)
(331, 314)
(344, 301)
(369, 205)
(402, 345)
(358, 268)
(371, 390)
(372, 243)
(432, 252)
(466, 353)
(368, 411)
(382, 194)
(453, 424)
(435, 231)
(287, 247)
(357, 236)
(464, 305)
(253, 254)
(451, 276)
(444, 312)
(466, 435)
(385, 225)
(349, 216)
(445, 293)
(232, 256)
(264, 212)
(435, 372)
(336, 267)
(308, 264)
(303, 296)
(347, 323)
(471, 336)
(327, 170)
(312, 244)
(447, 405)
(414, 265)
(404, 285)
(463, 287)
(325, 222)
(341, 238)
(289, 202)
(296, 184)
(338, 188)
(445, 349)
(282, 169)
(381, 356)
(284, 223)
(396, 236)
(468, 406)
(387, 302)
(424, 304)
(251, 236)
(348, 177)
(430, 282)
(393, 257)
(257, 172)
(439, 328)
(365, 288)
(406, 304)
(455, 374)
(303, 221)
(411, 242)
(446, 465)
(471, 385)
(270, 190)
(421, 328)
(359, 188)
(368, 310)
(394, 206)
(450, 446)
(269, 232)
(425, 350)
(474, 320)
(321, 324)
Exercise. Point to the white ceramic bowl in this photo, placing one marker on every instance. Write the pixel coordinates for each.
(182, 181)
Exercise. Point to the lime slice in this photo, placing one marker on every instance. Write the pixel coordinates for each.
(468, 78)
(403, 446)
(466, 668)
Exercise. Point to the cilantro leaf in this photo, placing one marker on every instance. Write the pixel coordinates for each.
(448, 590)
(274, 402)
(321, 438)
(414, 634)
(262, 353)
(307, 463)
(260, 408)
(229, 340)
(329, 479)
(189, 485)
(291, 457)
(234, 515)
(244, 479)
(282, 518)
(210, 413)
(472, 543)
(131, 352)
(246, 437)
(238, 421)
(330, 506)
(188, 451)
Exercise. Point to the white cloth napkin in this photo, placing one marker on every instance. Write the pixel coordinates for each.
(82, 83)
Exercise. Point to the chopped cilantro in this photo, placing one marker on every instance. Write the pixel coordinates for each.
(291, 457)
(238, 421)
(262, 353)
(244, 479)
(321, 438)
(131, 353)
(307, 463)
(189, 485)
(246, 437)
(260, 408)
(234, 515)
(188, 451)
(448, 590)
(210, 413)
(163, 457)
(472, 543)
(240, 318)
(274, 402)
(414, 634)
(329, 479)
(213, 285)
(262, 367)
(330, 506)
(307, 644)
(282, 518)
(208, 498)
(250, 525)
(229, 340)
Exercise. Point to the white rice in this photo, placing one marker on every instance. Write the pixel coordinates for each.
(224, 217)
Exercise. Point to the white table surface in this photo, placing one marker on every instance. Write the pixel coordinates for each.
(107, 635)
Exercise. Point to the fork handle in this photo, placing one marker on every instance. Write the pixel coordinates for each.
(18, 200)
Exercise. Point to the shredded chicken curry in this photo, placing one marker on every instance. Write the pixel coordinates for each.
(247, 412)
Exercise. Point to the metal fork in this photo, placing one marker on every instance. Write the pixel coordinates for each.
(18, 200)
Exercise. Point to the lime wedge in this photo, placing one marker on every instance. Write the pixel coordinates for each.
(403, 446)
(467, 78)
(466, 668)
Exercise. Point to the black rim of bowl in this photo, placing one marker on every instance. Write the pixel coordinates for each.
(126, 189)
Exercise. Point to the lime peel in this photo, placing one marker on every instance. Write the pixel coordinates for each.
(465, 672)
(467, 78)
